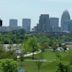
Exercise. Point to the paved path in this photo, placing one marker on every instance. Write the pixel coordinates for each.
(30, 54)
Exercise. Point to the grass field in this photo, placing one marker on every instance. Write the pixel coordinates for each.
(51, 64)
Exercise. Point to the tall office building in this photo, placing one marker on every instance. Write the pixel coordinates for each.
(65, 17)
(26, 24)
(0, 23)
(38, 28)
(13, 23)
(44, 24)
(54, 23)
(69, 26)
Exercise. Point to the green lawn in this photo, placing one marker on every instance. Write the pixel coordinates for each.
(50, 65)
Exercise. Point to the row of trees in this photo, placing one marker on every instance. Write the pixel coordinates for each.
(31, 43)
(36, 43)
(13, 37)
(18, 36)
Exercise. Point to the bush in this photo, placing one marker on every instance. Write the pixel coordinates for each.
(8, 65)
(63, 68)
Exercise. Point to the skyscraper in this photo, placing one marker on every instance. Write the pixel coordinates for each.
(54, 23)
(26, 24)
(13, 23)
(69, 26)
(44, 24)
(65, 17)
(37, 28)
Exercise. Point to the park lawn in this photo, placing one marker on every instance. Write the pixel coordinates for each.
(48, 55)
(51, 65)
(45, 67)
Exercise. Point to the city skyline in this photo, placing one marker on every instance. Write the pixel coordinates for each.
(45, 24)
(19, 9)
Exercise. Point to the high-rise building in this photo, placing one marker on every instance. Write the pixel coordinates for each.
(26, 24)
(69, 26)
(44, 24)
(54, 23)
(38, 28)
(0, 23)
(65, 17)
(13, 23)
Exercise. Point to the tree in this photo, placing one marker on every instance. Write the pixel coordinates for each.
(63, 68)
(44, 43)
(54, 44)
(39, 61)
(64, 47)
(9, 66)
(31, 45)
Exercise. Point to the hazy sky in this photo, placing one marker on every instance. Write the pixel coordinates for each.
(19, 9)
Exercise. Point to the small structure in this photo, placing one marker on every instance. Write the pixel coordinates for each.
(18, 52)
(69, 45)
(67, 48)
(60, 49)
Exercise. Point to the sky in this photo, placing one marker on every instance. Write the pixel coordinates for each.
(19, 9)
